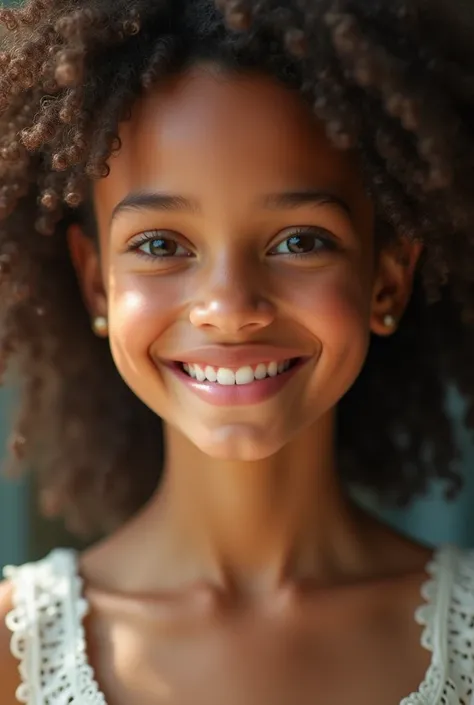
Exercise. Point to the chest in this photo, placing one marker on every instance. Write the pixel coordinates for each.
(257, 663)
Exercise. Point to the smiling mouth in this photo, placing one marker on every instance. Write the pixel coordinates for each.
(247, 374)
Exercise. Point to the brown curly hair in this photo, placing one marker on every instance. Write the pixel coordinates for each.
(384, 80)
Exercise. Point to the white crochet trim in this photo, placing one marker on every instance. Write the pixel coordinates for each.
(49, 640)
(448, 620)
(48, 633)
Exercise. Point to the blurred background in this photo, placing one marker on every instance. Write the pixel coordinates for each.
(25, 536)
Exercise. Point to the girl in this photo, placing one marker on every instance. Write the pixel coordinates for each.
(264, 213)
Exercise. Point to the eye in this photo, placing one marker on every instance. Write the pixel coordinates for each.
(305, 242)
(158, 244)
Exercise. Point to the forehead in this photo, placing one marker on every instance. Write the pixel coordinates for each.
(207, 131)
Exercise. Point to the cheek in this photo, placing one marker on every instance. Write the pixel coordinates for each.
(141, 310)
(334, 303)
(334, 306)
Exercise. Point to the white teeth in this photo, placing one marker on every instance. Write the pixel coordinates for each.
(200, 374)
(244, 375)
(211, 374)
(225, 376)
(273, 369)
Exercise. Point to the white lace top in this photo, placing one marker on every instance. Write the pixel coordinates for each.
(48, 634)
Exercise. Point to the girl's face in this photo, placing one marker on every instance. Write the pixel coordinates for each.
(233, 235)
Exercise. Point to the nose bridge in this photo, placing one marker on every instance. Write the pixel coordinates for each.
(232, 295)
(233, 276)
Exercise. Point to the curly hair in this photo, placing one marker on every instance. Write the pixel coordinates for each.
(384, 81)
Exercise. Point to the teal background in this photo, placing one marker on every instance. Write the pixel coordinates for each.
(14, 495)
(14, 500)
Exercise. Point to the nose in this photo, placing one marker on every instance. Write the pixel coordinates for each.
(232, 303)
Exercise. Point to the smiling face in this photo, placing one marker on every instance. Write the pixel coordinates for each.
(236, 243)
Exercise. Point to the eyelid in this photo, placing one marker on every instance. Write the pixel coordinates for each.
(145, 236)
(315, 230)
(155, 234)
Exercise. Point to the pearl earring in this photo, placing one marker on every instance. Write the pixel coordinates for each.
(100, 326)
(389, 321)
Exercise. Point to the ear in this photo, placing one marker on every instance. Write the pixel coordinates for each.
(86, 261)
(393, 285)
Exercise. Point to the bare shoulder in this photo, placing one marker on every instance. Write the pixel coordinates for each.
(9, 676)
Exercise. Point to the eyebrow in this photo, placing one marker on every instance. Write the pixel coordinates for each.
(152, 200)
(297, 199)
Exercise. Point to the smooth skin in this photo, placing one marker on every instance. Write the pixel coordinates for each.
(248, 578)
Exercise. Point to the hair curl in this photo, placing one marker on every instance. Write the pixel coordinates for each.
(384, 82)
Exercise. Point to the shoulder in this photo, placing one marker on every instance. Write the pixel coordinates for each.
(9, 675)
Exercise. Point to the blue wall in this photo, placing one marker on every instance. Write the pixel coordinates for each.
(14, 499)
(433, 519)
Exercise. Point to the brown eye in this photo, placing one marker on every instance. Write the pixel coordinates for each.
(162, 248)
(154, 245)
(303, 244)
(306, 242)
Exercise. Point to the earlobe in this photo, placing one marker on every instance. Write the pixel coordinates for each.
(393, 285)
(86, 261)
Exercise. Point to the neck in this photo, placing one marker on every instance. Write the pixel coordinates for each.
(256, 525)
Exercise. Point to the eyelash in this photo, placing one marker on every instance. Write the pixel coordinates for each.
(328, 241)
(149, 236)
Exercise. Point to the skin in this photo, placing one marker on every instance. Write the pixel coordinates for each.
(249, 577)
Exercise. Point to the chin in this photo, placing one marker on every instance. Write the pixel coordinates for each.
(238, 442)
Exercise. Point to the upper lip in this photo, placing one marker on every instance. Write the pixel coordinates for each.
(237, 356)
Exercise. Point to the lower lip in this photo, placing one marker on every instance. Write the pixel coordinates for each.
(237, 394)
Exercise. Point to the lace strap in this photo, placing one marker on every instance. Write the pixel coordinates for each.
(448, 621)
(47, 632)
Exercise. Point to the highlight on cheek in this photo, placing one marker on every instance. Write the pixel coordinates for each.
(131, 302)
